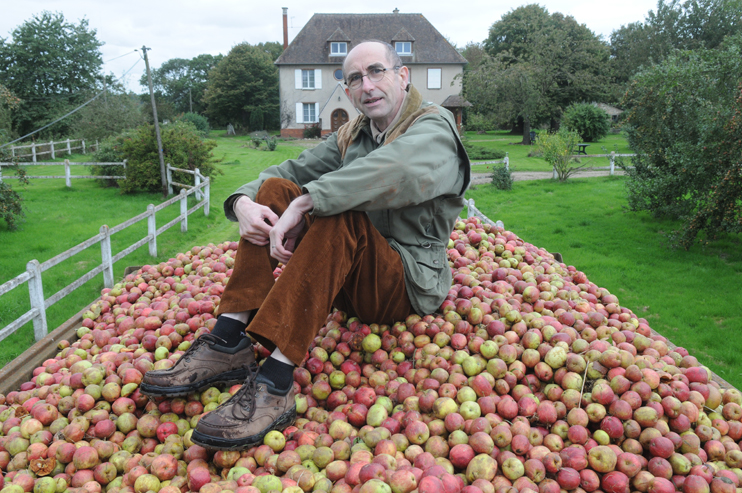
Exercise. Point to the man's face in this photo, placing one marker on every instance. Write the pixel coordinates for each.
(378, 100)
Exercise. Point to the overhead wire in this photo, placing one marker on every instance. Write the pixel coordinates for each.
(74, 110)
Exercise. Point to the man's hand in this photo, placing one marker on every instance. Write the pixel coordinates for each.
(255, 220)
(286, 231)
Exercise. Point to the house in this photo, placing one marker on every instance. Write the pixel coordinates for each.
(611, 111)
(310, 68)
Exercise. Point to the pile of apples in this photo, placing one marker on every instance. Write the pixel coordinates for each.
(529, 379)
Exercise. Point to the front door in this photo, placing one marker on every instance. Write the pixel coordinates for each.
(338, 119)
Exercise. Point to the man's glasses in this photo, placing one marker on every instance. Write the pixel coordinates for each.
(374, 75)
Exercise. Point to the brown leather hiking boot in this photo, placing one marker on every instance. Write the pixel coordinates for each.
(244, 420)
(206, 363)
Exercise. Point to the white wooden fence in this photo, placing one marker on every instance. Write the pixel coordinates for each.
(612, 166)
(67, 176)
(505, 161)
(37, 149)
(34, 268)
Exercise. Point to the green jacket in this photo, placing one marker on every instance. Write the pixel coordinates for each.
(411, 186)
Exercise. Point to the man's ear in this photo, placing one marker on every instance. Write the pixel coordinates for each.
(347, 93)
(404, 72)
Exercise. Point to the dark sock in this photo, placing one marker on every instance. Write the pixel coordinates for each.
(229, 329)
(281, 374)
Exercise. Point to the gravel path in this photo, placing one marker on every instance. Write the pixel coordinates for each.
(480, 178)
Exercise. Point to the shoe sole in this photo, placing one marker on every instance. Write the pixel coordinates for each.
(228, 378)
(284, 421)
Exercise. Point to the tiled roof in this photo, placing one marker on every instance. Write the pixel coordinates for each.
(312, 44)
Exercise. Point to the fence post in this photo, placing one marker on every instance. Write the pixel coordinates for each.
(67, 180)
(83, 145)
(507, 162)
(96, 145)
(69, 149)
(197, 178)
(169, 173)
(152, 230)
(33, 151)
(105, 254)
(1, 174)
(124, 169)
(12, 151)
(207, 191)
(469, 207)
(613, 161)
(554, 174)
(183, 211)
(51, 147)
(36, 295)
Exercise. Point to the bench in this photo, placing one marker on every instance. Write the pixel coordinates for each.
(581, 149)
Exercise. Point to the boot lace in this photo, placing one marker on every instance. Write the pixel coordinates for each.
(209, 339)
(245, 397)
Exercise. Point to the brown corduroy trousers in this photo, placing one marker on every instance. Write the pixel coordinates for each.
(340, 261)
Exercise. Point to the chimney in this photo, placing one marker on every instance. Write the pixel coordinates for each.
(395, 11)
(285, 28)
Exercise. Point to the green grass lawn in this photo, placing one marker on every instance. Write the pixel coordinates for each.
(519, 154)
(58, 218)
(691, 297)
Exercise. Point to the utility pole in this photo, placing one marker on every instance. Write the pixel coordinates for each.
(157, 124)
(190, 101)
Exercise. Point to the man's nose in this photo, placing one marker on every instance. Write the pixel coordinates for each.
(367, 83)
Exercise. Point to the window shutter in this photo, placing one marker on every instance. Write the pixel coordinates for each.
(434, 78)
(297, 78)
(316, 112)
(318, 78)
(299, 111)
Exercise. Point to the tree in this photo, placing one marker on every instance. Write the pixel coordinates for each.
(589, 121)
(674, 25)
(8, 102)
(273, 48)
(182, 82)
(110, 114)
(183, 146)
(557, 149)
(51, 65)
(245, 80)
(561, 61)
(684, 122)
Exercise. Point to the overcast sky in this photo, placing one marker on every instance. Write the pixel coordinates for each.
(187, 28)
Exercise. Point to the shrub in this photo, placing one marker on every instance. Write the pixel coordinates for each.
(270, 144)
(502, 178)
(11, 202)
(199, 121)
(557, 150)
(255, 141)
(312, 131)
(183, 148)
(589, 121)
(478, 153)
(478, 123)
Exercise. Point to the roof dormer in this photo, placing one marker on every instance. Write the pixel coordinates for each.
(402, 42)
(337, 43)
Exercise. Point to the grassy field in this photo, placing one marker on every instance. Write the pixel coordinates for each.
(691, 297)
(688, 296)
(519, 154)
(58, 218)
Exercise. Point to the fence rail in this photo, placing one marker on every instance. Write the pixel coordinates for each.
(67, 175)
(505, 161)
(35, 269)
(51, 148)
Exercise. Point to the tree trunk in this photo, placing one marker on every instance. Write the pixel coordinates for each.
(526, 131)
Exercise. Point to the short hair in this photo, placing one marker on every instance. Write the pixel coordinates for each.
(391, 53)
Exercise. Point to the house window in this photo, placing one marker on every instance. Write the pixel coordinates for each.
(338, 48)
(307, 79)
(403, 47)
(310, 115)
(434, 78)
(338, 74)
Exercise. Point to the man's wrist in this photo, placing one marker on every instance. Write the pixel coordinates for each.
(303, 204)
(236, 200)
